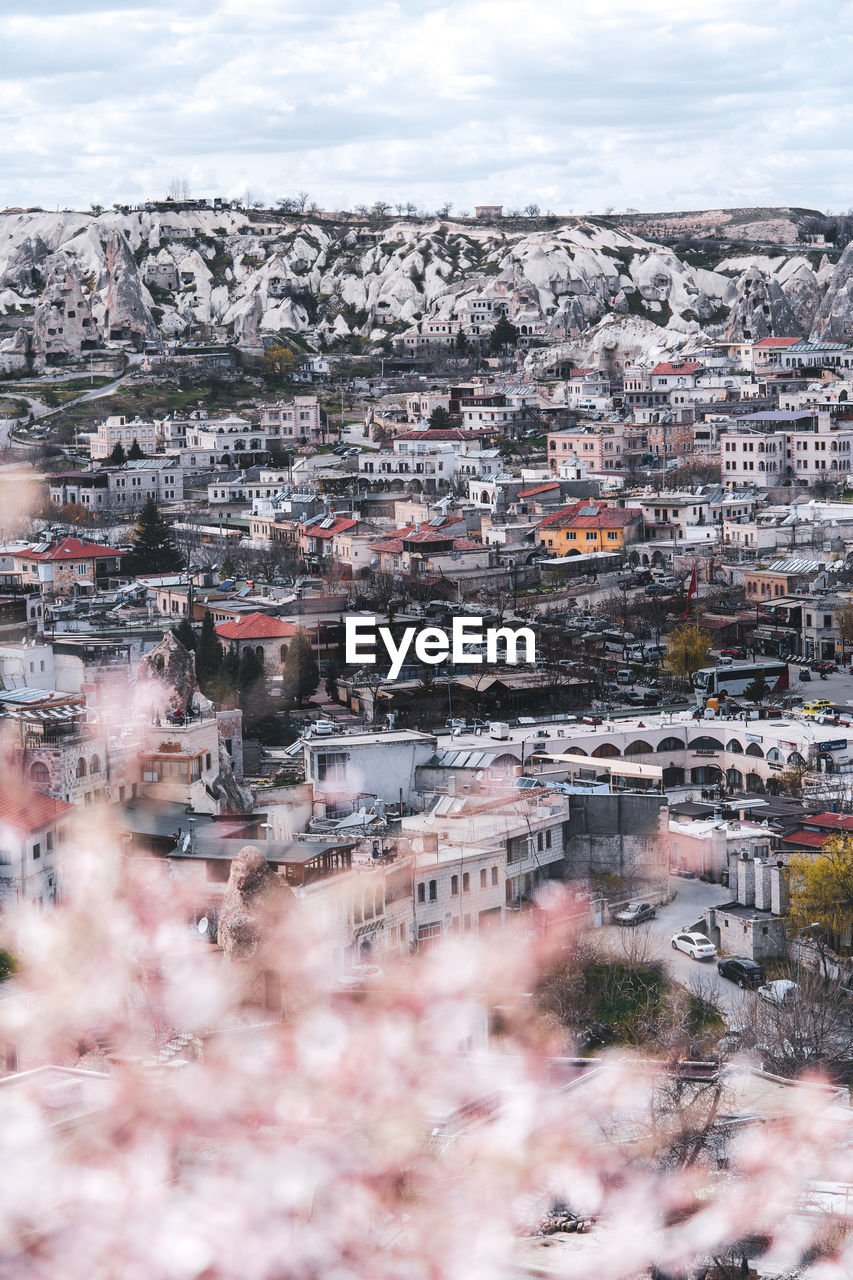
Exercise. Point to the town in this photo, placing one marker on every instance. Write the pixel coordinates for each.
(443, 580)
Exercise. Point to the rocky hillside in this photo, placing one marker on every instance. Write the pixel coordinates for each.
(69, 281)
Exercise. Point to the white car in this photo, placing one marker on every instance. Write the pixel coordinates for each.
(695, 945)
(779, 992)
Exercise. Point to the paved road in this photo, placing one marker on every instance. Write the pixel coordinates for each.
(692, 897)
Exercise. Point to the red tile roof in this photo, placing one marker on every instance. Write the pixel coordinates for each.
(774, 342)
(686, 366)
(587, 515)
(814, 839)
(539, 488)
(342, 523)
(27, 809)
(71, 549)
(256, 626)
(838, 821)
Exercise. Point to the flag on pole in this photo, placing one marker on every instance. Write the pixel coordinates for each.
(691, 591)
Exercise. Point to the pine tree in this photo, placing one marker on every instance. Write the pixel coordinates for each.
(301, 674)
(251, 685)
(208, 656)
(503, 335)
(153, 548)
(135, 452)
(439, 419)
(118, 457)
(184, 632)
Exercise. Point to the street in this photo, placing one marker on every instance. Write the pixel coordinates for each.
(654, 941)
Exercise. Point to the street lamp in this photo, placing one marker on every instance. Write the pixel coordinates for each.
(800, 932)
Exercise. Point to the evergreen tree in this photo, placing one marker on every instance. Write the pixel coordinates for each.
(208, 657)
(184, 632)
(439, 419)
(135, 453)
(228, 570)
(251, 686)
(503, 335)
(153, 548)
(301, 674)
(118, 456)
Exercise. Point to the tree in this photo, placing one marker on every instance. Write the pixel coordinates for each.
(251, 686)
(184, 632)
(208, 657)
(439, 419)
(278, 359)
(843, 617)
(118, 457)
(135, 452)
(758, 689)
(821, 890)
(153, 547)
(460, 343)
(689, 650)
(531, 211)
(301, 674)
(504, 334)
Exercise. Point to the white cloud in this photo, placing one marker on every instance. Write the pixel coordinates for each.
(649, 103)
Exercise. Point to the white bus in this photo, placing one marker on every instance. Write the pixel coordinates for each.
(734, 680)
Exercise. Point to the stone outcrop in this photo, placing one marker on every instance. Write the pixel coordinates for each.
(761, 310)
(255, 898)
(326, 280)
(63, 324)
(15, 352)
(169, 670)
(127, 315)
(834, 320)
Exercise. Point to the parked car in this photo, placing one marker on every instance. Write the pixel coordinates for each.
(733, 652)
(635, 913)
(779, 992)
(633, 698)
(695, 945)
(358, 975)
(816, 707)
(741, 970)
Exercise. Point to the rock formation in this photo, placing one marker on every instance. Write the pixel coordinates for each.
(255, 898)
(63, 324)
(168, 670)
(127, 315)
(761, 310)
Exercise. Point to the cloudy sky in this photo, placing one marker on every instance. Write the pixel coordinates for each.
(574, 105)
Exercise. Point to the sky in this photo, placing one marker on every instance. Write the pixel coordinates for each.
(571, 105)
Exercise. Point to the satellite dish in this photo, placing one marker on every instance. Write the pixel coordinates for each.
(202, 925)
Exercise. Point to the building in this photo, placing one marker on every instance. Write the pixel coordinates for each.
(33, 830)
(68, 567)
(587, 526)
(293, 420)
(268, 637)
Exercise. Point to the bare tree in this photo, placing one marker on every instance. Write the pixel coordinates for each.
(179, 188)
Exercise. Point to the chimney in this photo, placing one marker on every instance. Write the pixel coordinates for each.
(746, 880)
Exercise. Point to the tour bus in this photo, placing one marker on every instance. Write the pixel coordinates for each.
(735, 679)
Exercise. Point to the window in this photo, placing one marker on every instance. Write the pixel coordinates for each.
(95, 765)
(466, 883)
(331, 766)
(81, 768)
(422, 892)
(483, 879)
(454, 885)
(40, 775)
(36, 852)
(433, 890)
(494, 875)
(49, 841)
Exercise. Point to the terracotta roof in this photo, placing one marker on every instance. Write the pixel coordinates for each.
(27, 809)
(774, 342)
(539, 488)
(256, 626)
(448, 433)
(586, 515)
(815, 839)
(71, 549)
(686, 366)
(342, 523)
(838, 821)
